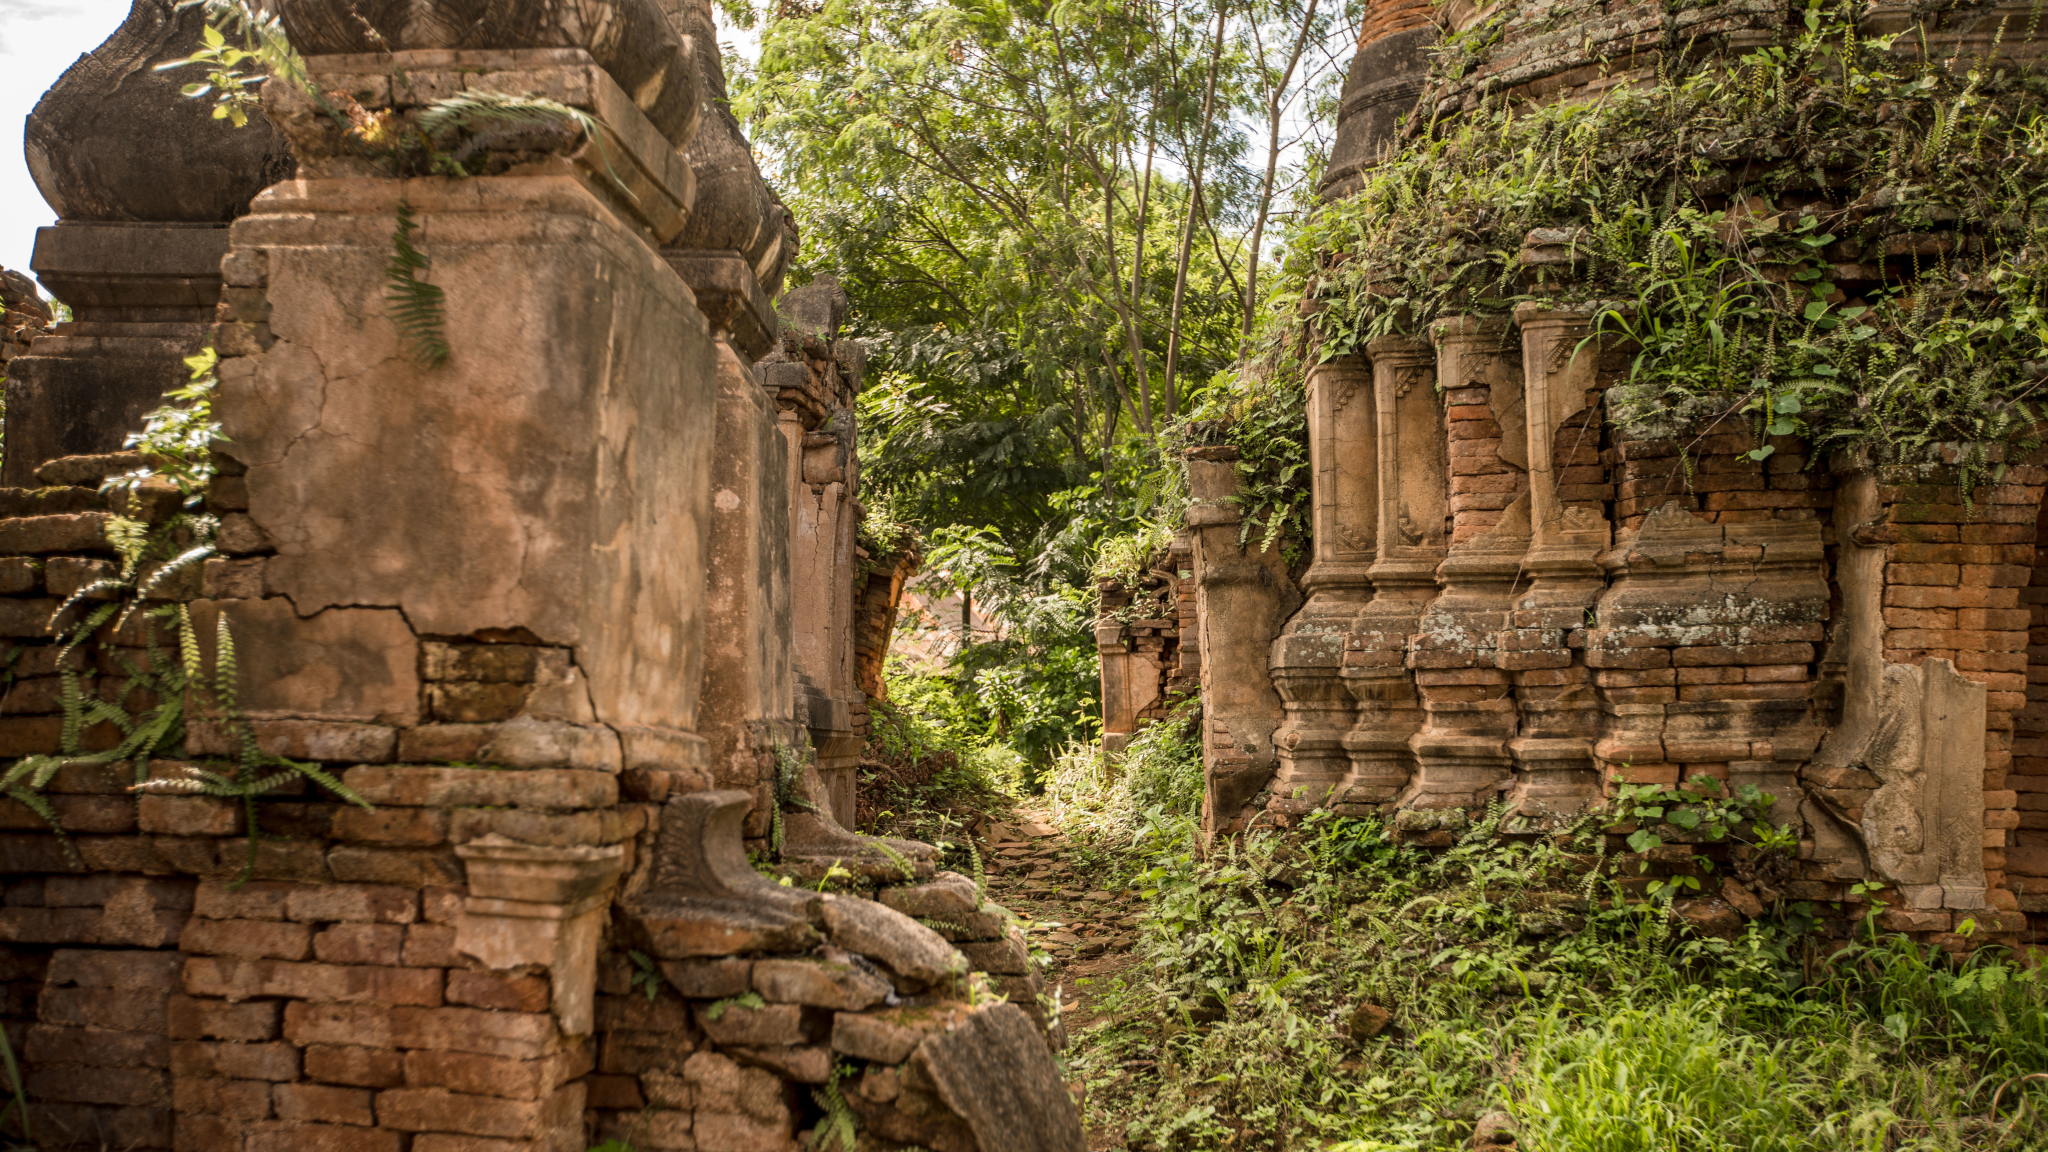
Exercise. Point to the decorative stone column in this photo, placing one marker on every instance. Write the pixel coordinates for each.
(1308, 658)
(748, 689)
(1414, 506)
(1243, 597)
(1553, 755)
(144, 182)
(817, 424)
(1467, 700)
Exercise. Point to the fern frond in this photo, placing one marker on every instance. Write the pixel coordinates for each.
(176, 565)
(326, 780)
(129, 538)
(188, 646)
(72, 702)
(41, 807)
(226, 691)
(414, 305)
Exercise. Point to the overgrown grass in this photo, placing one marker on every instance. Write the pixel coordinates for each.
(1147, 795)
(930, 768)
(1512, 979)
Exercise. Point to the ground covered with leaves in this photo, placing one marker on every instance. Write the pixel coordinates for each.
(1326, 988)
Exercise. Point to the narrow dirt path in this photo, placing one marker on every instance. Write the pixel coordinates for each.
(1072, 911)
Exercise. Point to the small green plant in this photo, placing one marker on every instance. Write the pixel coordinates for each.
(646, 975)
(834, 872)
(417, 307)
(839, 1122)
(715, 1011)
(262, 42)
(1700, 806)
(255, 772)
(790, 762)
(17, 1102)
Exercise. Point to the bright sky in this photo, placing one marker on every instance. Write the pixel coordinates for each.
(39, 39)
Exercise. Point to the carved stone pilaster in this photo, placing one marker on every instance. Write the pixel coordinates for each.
(1308, 658)
(1553, 755)
(1468, 706)
(1414, 506)
(540, 906)
(1243, 597)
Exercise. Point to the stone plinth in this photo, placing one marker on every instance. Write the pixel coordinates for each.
(518, 489)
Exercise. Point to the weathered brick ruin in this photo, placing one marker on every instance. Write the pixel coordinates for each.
(1507, 599)
(572, 613)
(1147, 641)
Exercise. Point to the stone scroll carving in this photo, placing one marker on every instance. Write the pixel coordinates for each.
(1923, 826)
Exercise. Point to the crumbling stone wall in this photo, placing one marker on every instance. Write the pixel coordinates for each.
(878, 598)
(1509, 601)
(490, 598)
(1145, 638)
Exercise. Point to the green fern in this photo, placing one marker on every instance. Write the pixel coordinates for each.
(17, 1104)
(839, 1122)
(255, 772)
(161, 728)
(415, 306)
(901, 861)
(789, 774)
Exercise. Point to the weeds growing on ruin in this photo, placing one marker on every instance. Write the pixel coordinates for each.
(1328, 988)
(1706, 218)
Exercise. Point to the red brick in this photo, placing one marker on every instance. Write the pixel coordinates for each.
(240, 1099)
(248, 939)
(198, 1059)
(322, 1104)
(1937, 575)
(472, 1074)
(432, 1110)
(361, 1067)
(195, 1019)
(392, 825)
(257, 900)
(333, 983)
(322, 1138)
(198, 1132)
(516, 1034)
(1920, 617)
(489, 990)
(131, 1087)
(431, 946)
(50, 1044)
(380, 944)
(355, 903)
(1746, 654)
